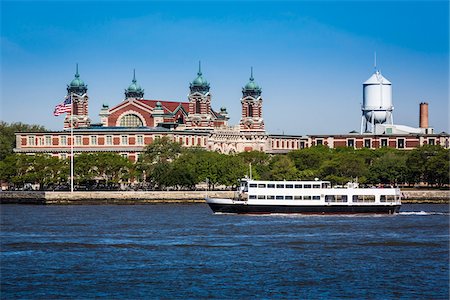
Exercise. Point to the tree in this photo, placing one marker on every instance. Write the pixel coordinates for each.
(8, 138)
(425, 163)
(282, 168)
(390, 168)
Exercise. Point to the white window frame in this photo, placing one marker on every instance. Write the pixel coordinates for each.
(93, 140)
(124, 138)
(31, 141)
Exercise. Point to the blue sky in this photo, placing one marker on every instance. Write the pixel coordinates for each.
(310, 58)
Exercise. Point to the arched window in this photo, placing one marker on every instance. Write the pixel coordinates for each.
(250, 110)
(131, 120)
(197, 107)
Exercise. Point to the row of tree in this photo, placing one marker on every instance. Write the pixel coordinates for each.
(165, 164)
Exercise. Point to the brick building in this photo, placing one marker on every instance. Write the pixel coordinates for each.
(129, 126)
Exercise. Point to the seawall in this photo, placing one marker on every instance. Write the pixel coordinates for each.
(110, 197)
(155, 197)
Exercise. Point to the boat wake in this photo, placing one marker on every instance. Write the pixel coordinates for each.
(423, 213)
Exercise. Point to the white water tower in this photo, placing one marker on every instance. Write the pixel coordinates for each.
(377, 103)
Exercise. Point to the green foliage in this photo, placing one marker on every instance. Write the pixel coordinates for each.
(8, 138)
(282, 168)
(105, 167)
(164, 164)
(389, 168)
(428, 164)
(259, 162)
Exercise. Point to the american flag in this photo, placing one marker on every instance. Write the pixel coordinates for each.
(64, 107)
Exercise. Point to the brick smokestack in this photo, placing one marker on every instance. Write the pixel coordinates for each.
(423, 117)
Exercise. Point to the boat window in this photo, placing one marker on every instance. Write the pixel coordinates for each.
(252, 185)
(252, 197)
(330, 198)
(280, 186)
(306, 197)
(289, 186)
(316, 197)
(325, 185)
(298, 186)
(297, 197)
(307, 186)
(316, 186)
(279, 197)
(271, 185)
(387, 198)
(288, 197)
(270, 197)
(261, 185)
(363, 198)
(261, 197)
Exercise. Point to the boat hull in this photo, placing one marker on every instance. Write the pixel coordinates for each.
(238, 208)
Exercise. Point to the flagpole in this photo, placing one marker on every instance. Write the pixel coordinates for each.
(71, 144)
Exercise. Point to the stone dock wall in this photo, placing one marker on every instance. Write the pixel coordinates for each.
(110, 197)
(155, 197)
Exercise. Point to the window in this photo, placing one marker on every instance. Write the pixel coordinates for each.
(319, 142)
(316, 197)
(198, 109)
(140, 140)
(40, 141)
(298, 186)
(124, 155)
(401, 143)
(261, 185)
(124, 140)
(288, 197)
(270, 197)
(330, 198)
(93, 140)
(367, 143)
(271, 186)
(351, 143)
(252, 197)
(31, 140)
(297, 197)
(316, 186)
(63, 140)
(109, 140)
(306, 197)
(289, 186)
(253, 185)
(131, 120)
(363, 198)
(280, 186)
(250, 110)
(48, 140)
(431, 142)
(63, 156)
(261, 197)
(387, 198)
(384, 142)
(78, 140)
(307, 186)
(279, 197)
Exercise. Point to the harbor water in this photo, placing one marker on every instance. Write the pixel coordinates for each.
(184, 251)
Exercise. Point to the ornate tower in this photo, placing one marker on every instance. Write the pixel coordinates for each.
(251, 101)
(77, 91)
(134, 90)
(199, 103)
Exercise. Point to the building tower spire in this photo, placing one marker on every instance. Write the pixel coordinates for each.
(251, 102)
(77, 91)
(134, 90)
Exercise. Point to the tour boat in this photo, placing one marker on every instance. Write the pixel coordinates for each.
(307, 197)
